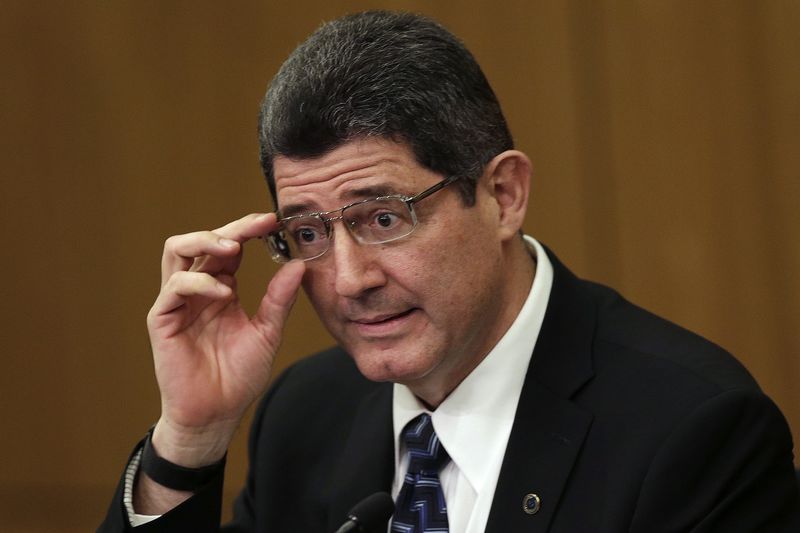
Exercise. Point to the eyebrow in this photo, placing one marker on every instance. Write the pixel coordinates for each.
(353, 195)
(295, 209)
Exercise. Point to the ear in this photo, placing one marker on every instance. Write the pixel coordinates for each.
(508, 178)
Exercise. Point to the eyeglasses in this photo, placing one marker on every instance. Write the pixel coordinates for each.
(372, 221)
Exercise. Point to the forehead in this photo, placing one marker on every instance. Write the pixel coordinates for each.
(355, 170)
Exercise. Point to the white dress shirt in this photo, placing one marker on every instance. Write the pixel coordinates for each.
(474, 422)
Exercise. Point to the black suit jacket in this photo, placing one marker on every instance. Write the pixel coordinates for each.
(625, 423)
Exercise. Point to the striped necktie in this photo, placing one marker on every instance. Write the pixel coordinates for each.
(420, 505)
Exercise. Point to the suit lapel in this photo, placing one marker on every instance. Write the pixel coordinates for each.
(366, 464)
(549, 429)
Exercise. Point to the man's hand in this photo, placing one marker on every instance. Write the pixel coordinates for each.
(211, 359)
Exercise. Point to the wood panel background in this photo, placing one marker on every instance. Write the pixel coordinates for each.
(665, 138)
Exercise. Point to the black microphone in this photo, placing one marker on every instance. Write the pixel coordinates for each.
(369, 515)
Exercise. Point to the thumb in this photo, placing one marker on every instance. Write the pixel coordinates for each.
(280, 297)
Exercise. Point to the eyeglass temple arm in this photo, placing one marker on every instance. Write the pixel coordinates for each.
(427, 192)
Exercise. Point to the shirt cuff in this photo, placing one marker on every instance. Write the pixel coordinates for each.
(127, 497)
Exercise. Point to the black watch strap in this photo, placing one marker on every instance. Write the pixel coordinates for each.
(175, 476)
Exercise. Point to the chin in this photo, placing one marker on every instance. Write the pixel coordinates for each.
(390, 365)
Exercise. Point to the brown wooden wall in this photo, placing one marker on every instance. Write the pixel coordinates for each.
(665, 138)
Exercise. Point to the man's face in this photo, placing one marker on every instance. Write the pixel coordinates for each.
(422, 310)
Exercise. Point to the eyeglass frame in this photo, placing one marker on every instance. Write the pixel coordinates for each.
(270, 238)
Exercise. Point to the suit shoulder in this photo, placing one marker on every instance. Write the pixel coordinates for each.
(326, 381)
(324, 365)
(646, 340)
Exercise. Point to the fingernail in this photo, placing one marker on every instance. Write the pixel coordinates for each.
(228, 243)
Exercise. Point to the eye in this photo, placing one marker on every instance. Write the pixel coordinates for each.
(385, 219)
(306, 235)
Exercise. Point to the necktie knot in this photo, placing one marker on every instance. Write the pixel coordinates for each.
(425, 451)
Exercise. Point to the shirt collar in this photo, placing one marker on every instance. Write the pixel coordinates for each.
(474, 421)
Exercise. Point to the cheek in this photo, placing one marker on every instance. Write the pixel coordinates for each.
(319, 290)
(440, 278)
(465, 274)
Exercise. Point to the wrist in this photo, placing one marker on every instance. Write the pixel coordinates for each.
(174, 476)
(191, 447)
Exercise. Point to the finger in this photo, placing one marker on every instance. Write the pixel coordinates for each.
(279, 299)
(181, 251)
(228, 280)
(249, 227)
(181, 288)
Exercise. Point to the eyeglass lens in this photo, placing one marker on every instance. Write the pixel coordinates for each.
(370, 222)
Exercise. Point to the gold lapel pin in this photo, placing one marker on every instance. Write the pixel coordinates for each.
(531, 503)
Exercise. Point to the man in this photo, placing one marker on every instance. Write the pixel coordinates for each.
(541, 402)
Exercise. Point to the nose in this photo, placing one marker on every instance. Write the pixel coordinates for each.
(357, 267)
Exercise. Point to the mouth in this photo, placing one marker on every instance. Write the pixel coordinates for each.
(385, 324)
(380, 319)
